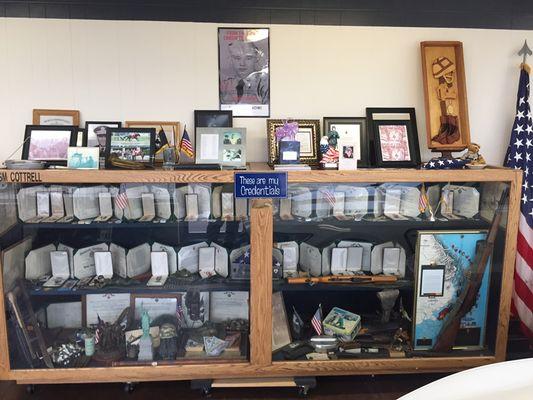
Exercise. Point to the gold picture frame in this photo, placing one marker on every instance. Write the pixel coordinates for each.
(443, 70)
(43, 116)
(308, 136)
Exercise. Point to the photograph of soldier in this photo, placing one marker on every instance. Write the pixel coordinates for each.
(244, 69)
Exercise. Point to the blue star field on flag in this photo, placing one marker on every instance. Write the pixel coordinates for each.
(520, 150)
(445, 163)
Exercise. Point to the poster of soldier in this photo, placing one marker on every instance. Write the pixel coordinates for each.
(244, 76)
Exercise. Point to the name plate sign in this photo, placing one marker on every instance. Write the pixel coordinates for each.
(265, 185)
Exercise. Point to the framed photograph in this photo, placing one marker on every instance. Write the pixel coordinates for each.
(224, 146)
(56, 117)
(96, 133)
(394, 137)
(351, 129)
(83, 157)
(443, 267)
(443, 70)
(347, 155)
(49, 143)
(281, 333)
(131, 144)
(308, 135)
(244, 71)
(167, 132)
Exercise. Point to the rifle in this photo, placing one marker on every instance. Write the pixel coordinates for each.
(467, 298)
(345, 279)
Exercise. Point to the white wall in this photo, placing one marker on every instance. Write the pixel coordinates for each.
(126, 70)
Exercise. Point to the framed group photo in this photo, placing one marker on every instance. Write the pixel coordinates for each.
(351, 130)
(308, 135)
(49, 143)
(395, 137)
(244, 71)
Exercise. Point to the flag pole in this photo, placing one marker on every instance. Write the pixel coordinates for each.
(525, 51)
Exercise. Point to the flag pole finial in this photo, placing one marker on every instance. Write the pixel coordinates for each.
(525, 51)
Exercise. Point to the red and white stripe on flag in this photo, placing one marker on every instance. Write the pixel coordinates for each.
(121, 201)
(316, 321)
(523, 278)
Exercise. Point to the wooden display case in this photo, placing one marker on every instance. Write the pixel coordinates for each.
(260, 362)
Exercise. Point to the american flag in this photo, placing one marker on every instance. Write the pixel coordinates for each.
(121, 201)
(186, 145)
(519, 156)
(423, 200)
(316, 321)
(329, 196)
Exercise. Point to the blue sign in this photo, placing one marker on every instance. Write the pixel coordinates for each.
(254, 185)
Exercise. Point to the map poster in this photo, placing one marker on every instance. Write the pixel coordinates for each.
(453, 251)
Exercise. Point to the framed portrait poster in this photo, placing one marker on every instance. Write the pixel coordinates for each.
(395, 137)
(445, 260)
(49, 143)
(443, 69)
(131, 144)
(351, 129)
(244, 71)
(56, 117)
(308, 135)
(96, 133)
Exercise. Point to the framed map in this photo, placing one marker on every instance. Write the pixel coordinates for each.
(443, 263)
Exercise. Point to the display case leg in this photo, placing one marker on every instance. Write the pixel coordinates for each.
(129, 387)
(304, 384)
(205, 386)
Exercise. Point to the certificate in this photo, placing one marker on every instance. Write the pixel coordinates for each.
(432, 280)
(155, 305)
(226, 306)
(64, 315)
(107, 306)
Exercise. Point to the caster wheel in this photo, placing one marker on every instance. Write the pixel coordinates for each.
(30, 389)
(129, 388)
(303, 391)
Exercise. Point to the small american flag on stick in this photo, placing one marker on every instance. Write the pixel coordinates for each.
(329, 196)
(316, 321)
(121, 201)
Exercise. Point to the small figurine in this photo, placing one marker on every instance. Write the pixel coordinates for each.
(145, 323)
(473, 157)
(329, 151)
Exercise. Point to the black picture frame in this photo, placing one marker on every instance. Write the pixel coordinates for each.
(150, 131)
(212, 119)
(32, 130)
(364, 140)
(441, 269)
(104, 123)
(379, 116)
(223, 79)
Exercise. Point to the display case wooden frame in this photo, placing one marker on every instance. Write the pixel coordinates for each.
(261, 238)
(436, 57)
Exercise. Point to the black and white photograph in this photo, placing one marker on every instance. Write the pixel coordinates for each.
(96, 133)
(48, 143)
(244, 74)
(232, 155)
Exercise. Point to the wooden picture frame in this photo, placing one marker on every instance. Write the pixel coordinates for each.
(350, 134)
(406, 116)
(309, 133)
(30, 152)
(447, 126)
(43, 116)
(114, 132)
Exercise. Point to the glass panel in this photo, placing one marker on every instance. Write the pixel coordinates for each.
(126, 274)
(388, 270)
